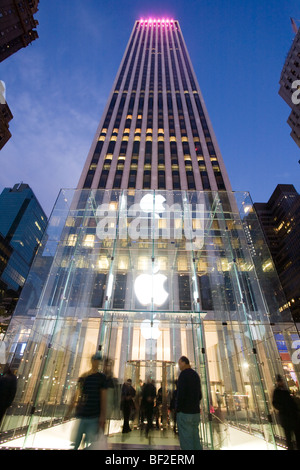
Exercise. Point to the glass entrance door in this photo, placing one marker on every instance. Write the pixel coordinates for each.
(146, 346)
(162, 375)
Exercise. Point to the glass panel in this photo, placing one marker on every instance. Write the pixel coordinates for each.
(145, 277)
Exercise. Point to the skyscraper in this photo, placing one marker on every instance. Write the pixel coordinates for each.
(155, 131)
(5, 117)
(280, 220)
(151, 257)
(289, 85)
(22, 226)
(17, 25)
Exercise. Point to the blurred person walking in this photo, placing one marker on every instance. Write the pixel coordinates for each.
(8, 389)
(288, 413)
(188, 399)
(89, 402)
(113, 392)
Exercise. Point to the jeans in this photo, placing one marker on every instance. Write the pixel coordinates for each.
(188, 431)
(89, 427)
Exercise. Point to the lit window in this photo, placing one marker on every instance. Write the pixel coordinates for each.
(123, 263)
(182, 264)
(103, 263)
(143, 263)
(89, 241)
(72, 240)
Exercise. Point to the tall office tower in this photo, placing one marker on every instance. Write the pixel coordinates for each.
(17, 25)
(152, 257)
(280, 220)
(290, 85)
(22, 226)
(155, 131)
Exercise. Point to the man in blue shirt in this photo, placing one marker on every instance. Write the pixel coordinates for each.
(189, 395)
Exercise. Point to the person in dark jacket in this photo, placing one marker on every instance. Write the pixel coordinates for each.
(127, 403)
(188, 399)
(288, 412)
(148, 399)
(8, 389)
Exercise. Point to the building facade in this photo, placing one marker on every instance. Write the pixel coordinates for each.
(17, 26)
(155, 131)
(22, 226)
(290, 86)
(5, 118)
(151, 257)
(280, 220)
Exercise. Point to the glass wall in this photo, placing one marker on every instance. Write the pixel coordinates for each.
(145, 277)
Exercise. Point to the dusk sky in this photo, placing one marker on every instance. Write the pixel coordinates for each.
(57, 87)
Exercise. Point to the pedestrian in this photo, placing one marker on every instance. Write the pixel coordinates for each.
(148, 399)
(173, 407)
(89, 402)
(127, 403)
(288, 412)
(8, 389)
(188, 399)
(113, 392)
(158, 408)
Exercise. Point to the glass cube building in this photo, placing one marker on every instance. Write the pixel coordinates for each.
(151, 257)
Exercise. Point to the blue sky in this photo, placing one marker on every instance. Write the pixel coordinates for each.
(57, 87)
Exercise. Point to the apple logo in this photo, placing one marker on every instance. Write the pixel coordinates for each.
(150, 330)
(149, 202)
(151, 286)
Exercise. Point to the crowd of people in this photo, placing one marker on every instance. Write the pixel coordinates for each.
(99, 399)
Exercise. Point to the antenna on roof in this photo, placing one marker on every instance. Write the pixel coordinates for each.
(294, 25)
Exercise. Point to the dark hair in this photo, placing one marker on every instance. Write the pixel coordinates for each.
(184, 359)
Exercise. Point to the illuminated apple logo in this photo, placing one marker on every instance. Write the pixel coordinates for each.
(150, 202)
(150, 330)
(151, 286)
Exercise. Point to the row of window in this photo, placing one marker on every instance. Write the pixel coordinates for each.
(147, 47)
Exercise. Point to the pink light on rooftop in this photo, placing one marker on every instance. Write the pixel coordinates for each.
(156, 20)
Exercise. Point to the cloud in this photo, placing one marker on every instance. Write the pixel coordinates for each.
(48, 149)
(52, 129)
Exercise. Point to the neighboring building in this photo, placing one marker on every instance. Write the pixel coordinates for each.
(290, 86)
(5, 117)
(280, 220)
(17, 25)
(22, 226)
(152, 257)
